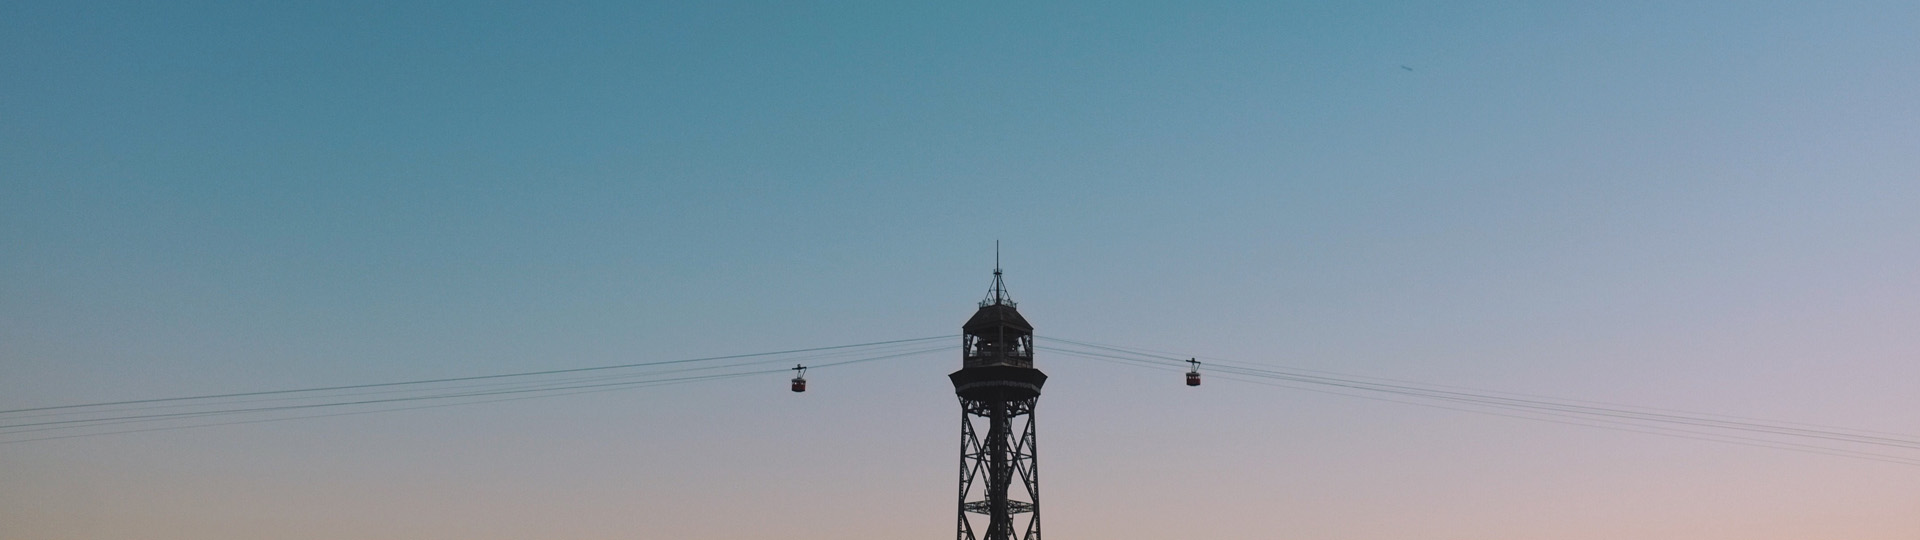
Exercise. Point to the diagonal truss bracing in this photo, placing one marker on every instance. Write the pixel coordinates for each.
(999, 472)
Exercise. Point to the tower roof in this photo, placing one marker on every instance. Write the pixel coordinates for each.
(997, 310)
(992, 316)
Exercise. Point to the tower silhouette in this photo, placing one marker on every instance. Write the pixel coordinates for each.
(998, 388)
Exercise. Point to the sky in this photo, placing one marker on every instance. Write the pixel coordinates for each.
(1701, 206)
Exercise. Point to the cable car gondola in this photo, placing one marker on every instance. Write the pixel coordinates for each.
(799, 378)
(1193, 376)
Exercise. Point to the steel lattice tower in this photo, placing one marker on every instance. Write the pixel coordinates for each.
(998, 388)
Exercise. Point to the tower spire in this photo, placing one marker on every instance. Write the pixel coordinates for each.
(997, 295)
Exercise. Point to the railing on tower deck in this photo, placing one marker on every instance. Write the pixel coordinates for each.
(993, 359)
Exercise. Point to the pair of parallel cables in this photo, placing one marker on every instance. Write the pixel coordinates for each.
(159, 414)
(1801, 437)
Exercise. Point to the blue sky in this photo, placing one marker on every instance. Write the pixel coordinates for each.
(1703, 206)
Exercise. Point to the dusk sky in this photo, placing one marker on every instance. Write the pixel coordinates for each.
(1702, 207)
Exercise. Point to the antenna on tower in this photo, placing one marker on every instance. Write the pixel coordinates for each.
(998, 294)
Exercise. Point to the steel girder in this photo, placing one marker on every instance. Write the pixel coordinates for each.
(1000, 472)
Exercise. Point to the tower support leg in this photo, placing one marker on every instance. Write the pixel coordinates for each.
(999, 473)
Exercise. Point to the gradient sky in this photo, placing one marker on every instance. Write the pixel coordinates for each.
(1702, 206)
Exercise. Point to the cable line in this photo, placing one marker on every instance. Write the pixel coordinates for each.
(178, 405)
(535, 388)
(351, 413)
(472, 378)
(1622, 426)
(542, 389)
(1439, 392)
(1170, 356)
(1668, 422)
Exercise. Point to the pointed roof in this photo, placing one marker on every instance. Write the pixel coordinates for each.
(997, 294)
(997, 310)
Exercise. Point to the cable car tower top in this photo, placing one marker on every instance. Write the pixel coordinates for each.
(997, 384)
